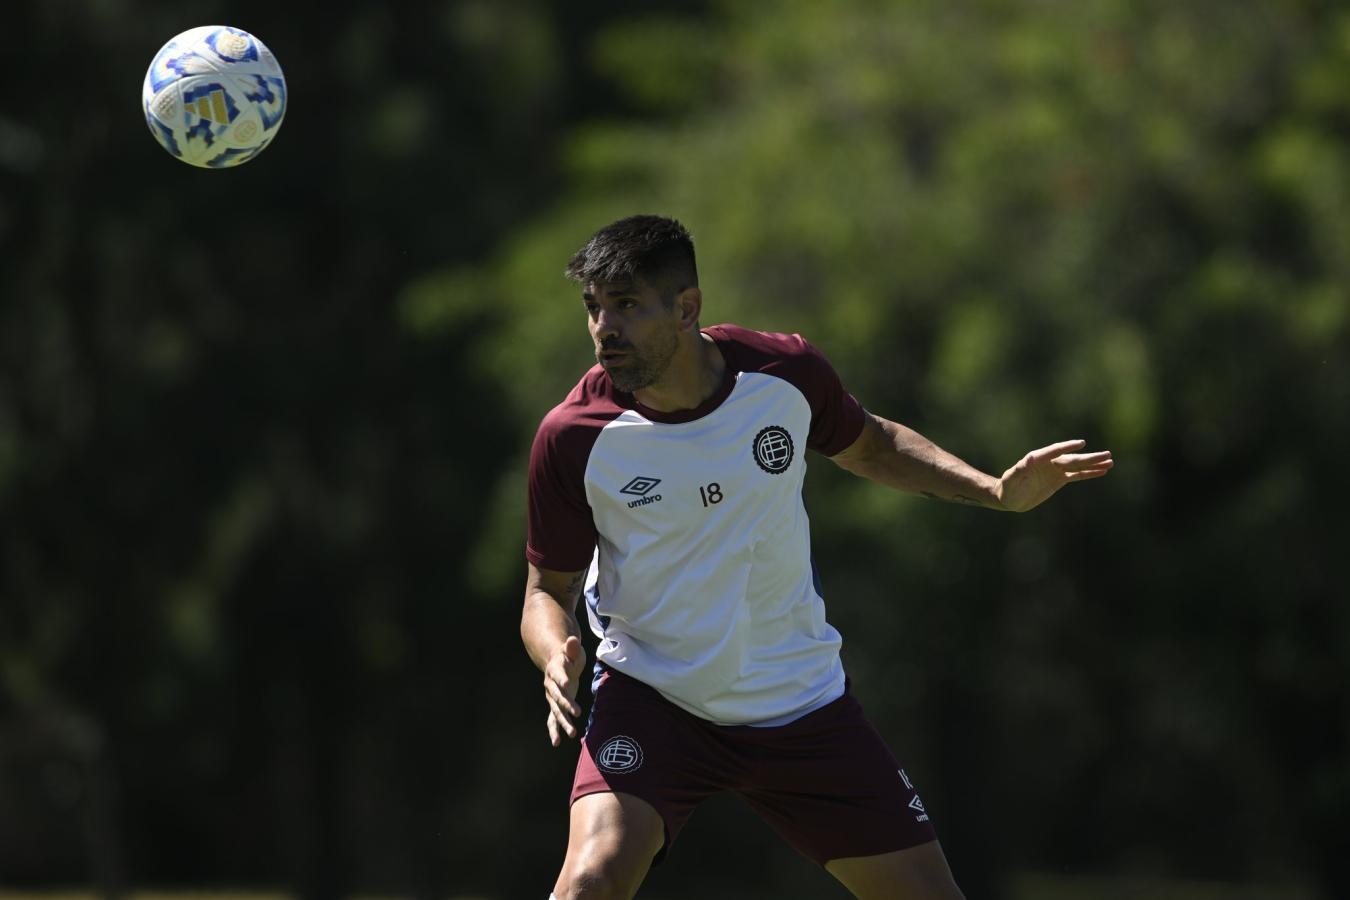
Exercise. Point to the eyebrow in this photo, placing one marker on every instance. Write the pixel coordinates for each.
(627, 290)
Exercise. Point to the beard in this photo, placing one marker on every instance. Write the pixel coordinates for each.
(645, 365)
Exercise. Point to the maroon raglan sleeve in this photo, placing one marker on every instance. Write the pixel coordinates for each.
(560, 531)
(836, 416)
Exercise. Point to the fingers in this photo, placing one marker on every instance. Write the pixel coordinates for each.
(1060, 455)
(560, 692)
(1085, 460)
(560, 687)
(1055, 450)
(560, 722)
(562, 677)
(559, 725)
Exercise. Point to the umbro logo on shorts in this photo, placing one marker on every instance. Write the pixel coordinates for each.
(773, 449)
(915, 803)
(619, 754)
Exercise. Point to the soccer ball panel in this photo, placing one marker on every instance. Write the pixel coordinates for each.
(214, 96)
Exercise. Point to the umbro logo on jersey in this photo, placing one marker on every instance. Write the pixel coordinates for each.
(641, 487)
(773, 449)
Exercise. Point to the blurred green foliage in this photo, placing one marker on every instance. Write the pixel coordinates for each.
(262, 432)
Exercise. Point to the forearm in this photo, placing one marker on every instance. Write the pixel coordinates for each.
(903, 459)
(548, 619)
(544, 626)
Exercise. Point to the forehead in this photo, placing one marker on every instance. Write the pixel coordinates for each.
(602, 290)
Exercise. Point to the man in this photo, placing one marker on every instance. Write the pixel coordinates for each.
(667, 488)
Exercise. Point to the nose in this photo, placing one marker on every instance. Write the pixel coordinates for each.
(604, 326)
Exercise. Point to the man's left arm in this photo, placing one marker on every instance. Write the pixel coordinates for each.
(899, 457)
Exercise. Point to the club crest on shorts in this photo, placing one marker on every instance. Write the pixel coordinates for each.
(619, 754)
(773, 449)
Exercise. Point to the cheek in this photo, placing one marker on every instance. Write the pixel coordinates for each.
(644, 338)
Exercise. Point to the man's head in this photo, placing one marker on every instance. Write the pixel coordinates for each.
(652, 250)
(640, 287)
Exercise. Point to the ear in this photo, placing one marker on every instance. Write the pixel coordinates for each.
(688, 305)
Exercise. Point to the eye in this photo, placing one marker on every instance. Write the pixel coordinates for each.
(627, 303)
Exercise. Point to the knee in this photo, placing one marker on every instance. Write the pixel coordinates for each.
(612, 843)
(594, 878)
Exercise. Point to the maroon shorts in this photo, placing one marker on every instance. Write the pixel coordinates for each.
(827, 782)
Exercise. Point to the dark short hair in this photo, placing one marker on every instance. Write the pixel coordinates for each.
(652, 249)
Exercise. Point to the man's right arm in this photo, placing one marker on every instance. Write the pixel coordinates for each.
(552, 636)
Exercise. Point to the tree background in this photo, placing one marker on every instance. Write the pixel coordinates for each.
(262, 431)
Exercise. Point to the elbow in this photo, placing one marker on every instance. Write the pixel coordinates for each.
(855, 461)
(525, 618)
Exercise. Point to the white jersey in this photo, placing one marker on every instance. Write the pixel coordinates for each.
(701, 583)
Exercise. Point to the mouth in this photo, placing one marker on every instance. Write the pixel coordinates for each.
(610, 357)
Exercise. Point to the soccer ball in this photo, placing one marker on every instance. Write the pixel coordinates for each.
(214, 96)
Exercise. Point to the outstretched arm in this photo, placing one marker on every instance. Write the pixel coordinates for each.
(899, 457)
(548, 626)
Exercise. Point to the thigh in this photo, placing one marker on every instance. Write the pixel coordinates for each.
(611, 842)
(830, 786)
(919, 873)
(640, 744)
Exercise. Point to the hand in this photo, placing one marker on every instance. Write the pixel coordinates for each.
(562, 677)
(1042, 472)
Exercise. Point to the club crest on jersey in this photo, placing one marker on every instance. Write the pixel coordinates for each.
(619, 754)
(773, 449)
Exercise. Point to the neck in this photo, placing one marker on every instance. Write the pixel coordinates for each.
(694, 375)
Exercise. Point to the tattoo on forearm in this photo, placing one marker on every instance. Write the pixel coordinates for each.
(957, 498)
(574, 586)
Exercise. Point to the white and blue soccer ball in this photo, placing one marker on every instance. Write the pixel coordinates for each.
(214, 96)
